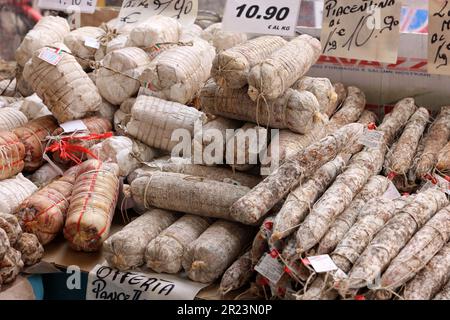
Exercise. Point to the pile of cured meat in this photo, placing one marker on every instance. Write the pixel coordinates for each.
(91, 124)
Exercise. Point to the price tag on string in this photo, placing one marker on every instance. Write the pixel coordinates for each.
(72, 126)
(372, 138)
(270, 268)
(51, 56)
(391, 192)
(443, 184)
(322, 263)
(85, 6)
(439, 37)
(91, 42)
(277, 17)
(136, 11)
(368, 30)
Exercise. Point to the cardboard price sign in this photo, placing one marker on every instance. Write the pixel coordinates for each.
(135, 11)
(367, 30)
(439, 37)
(277, 17)
(85, 6)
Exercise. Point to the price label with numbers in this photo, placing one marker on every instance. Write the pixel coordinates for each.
(86, 6)
(439, 37)
(277, 17)
(366, 30)
(135, 11)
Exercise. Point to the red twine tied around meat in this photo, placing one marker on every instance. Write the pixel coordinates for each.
(391, 175)
(274, 253)
(268, 225)
(431, 178)
(67, 149)
(372, 126)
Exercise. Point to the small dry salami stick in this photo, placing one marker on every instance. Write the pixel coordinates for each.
(419, 250)
(237, 275)
(444, 294)
(435, 140)
(372, 218)
(431, 279)
(375, 187)
(255, 204)
(394, 236)
(443, 163)
(406, 147)
(301, 199)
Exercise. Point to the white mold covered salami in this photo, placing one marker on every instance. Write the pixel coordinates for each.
(215, 250)
(126, 249)
(165, 252)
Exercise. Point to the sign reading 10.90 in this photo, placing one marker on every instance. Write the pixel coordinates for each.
(278, 17)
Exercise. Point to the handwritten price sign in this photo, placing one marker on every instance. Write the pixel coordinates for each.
(439, 37)
(135, 11)
(86, 6)
(368, 30)
(278, 17)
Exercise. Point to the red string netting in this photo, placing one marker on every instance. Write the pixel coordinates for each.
(68, 150)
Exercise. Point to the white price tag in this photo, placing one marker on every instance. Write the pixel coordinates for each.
(426, 186)
(91, 42)
(51, 56)
(438, 37)
(85, 6)
(443, 184)
(322, 263)
(391, 192)
(136, 11)
(277, 17)
(372, 138)
(270, 268)
(73, 126)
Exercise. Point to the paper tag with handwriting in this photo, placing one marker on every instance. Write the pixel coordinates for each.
(372, 138)
(439, 37)
(136, 11)
(277, 17)
(391, 192)
(51, 56)
(367, 30)
(322, 263)
(86, 6)
(270, 268)
(443, 184)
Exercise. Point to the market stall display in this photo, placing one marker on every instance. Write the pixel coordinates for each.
(109, 153)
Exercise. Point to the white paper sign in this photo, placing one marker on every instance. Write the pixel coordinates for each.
(439, 37)
(391, 192)
(277, 17)
(270, 268)
(91, 42)
(106, 283)
(322, 263)
(135, 11)
(372, 138)
(72, 126)
(50, 56)
(86, 6)
(356, 29)
(443, 184)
